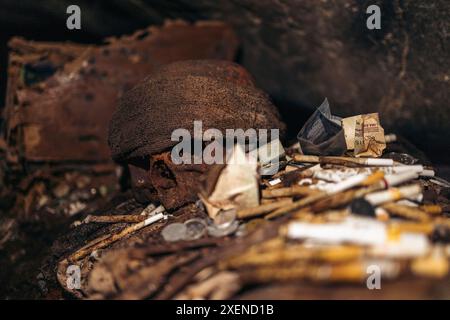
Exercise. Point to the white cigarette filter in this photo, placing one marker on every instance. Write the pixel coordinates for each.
(390, 269)
(153, 219)
(337, 175)
(394, 194)
(347, 184)
(379, 162)
(408, 168)
(404, 168)
(362, 231)
(427, 173)
(356, 230)
(396, 179)
(409, 245)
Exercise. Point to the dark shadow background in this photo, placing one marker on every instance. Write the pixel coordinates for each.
(298, 51)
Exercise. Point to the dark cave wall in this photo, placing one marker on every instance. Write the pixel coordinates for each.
(303, 51)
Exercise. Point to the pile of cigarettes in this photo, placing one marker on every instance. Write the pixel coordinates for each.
(342, 215)
(321, 219)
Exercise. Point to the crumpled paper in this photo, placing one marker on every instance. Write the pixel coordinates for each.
(236, 186)
(369, 136)
(322, 134)
(348, 124)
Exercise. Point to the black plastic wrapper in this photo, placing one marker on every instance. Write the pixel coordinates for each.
(322, 134)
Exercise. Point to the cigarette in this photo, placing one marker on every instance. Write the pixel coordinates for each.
(431, 209)
(360, 232)
(396, 179)
(360, 179)
(338, 175)
(435, 265)
(354, 271)
(427, 173)
(296, 205)
(402, 168)
(344, 160)
(357, 270)
(349, 161)
(338, 200)
(87, 250)
(293, 253)
(393, 194)
(288, 192)
(404, 245)
(397, 228)
(262, 209)
(408, 168)
(115, 219)
(347, 184)
(147, 212)
(407, 212)
(305, 158)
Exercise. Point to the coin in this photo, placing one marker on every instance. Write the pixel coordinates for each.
(216, 231)
(195, 228)
(174, 232)
(225, 218)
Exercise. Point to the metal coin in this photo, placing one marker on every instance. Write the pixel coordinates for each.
(216, 231)
(225, 218)
(174, 232)
(195, 229)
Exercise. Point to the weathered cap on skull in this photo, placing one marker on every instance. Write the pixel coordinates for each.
(221, 94)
